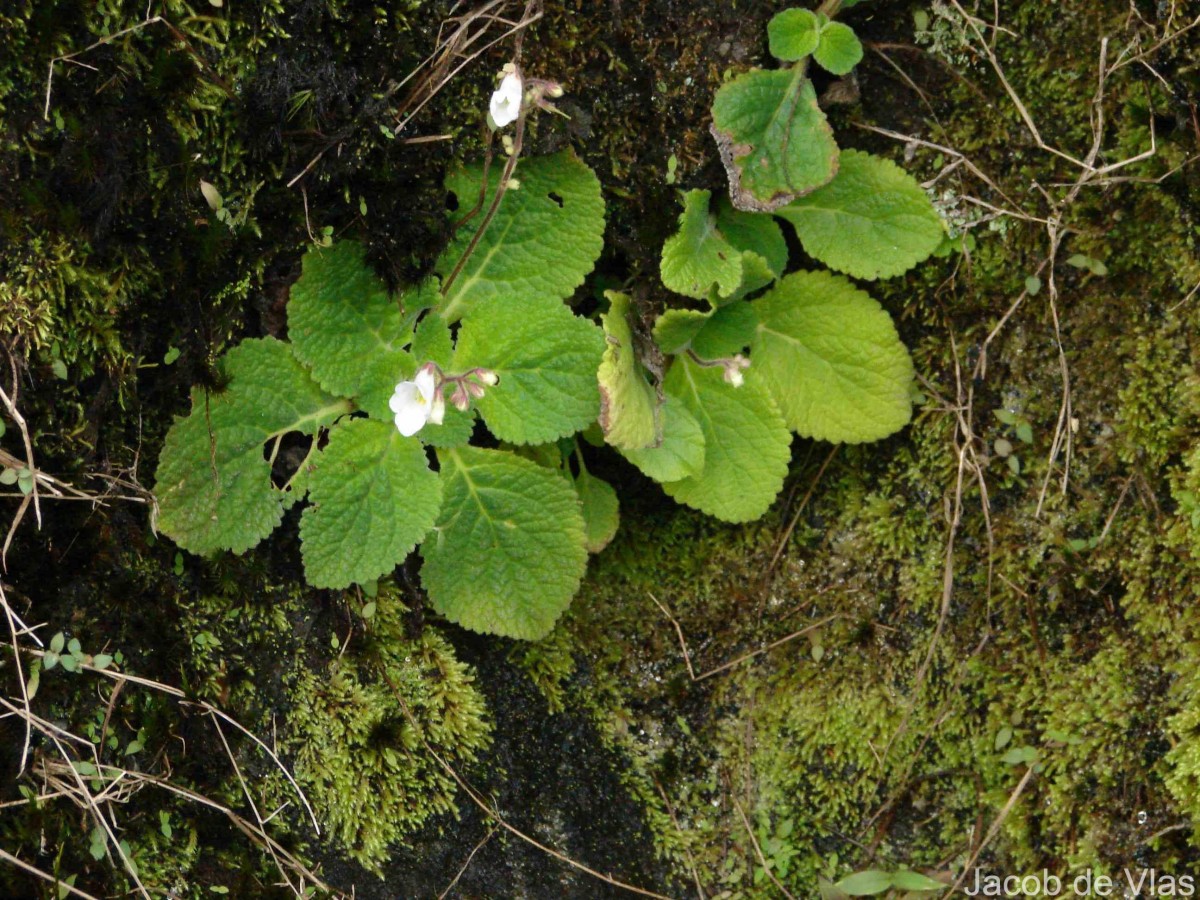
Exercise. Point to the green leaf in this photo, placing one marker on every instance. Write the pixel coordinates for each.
(8, 476)
(69, 662)
(433, 342)
(757, 232)
(508, 551)
(546, 357)
(756, 274)
(839, 49)
(373, 498)
(74, 646)
(1003, 736)
(455, 430)
(907, 880)
(25, 481)
(102, 660)
(773, 137)
(601, 511)
(793, 34)
(865, 884)
(872, 221)
(675, 329)
(58, 642)
(698, 256)
(213, 486)
(830, 891)
(746, 444)
(729, 330)
(544, 238)
(830, 356)
(721, 256)
(629, 408)
(681, 453)
(1019, 756)
(347, 329)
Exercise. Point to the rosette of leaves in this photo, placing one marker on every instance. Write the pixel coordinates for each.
(825, 360)
(503, 529)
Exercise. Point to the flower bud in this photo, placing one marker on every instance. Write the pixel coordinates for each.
(475, 390)
(487, 376)
(460, 399)
(733, 370)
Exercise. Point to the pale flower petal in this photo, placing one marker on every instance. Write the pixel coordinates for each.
(426, 383)
(506, 101)
(438, 411)
(411, 408)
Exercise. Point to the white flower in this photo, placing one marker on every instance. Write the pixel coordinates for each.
(506, 101)
(417, 402)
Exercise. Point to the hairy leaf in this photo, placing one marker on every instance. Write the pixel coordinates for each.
(629, 407)
(213, 485)
(542, 242)
(830, 356)
(347, 329)
(508, 551)
(681, 453)
(675, 329)
(872, 221)
(793, 34)
(601, 511)
(546, 357)
(698, 257)
(729, 330)
(838, 48)
(746, 444)
(373, 498)
(774, 140)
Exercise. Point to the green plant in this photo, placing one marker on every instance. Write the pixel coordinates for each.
(825, 360)
(505, 518)
(523, 526)
(872, 882)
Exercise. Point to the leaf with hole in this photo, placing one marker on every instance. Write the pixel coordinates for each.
(543, 240)
(546, 358)
(214, 487)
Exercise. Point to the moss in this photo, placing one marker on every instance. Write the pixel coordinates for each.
(1071, 626)
(358, 754)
